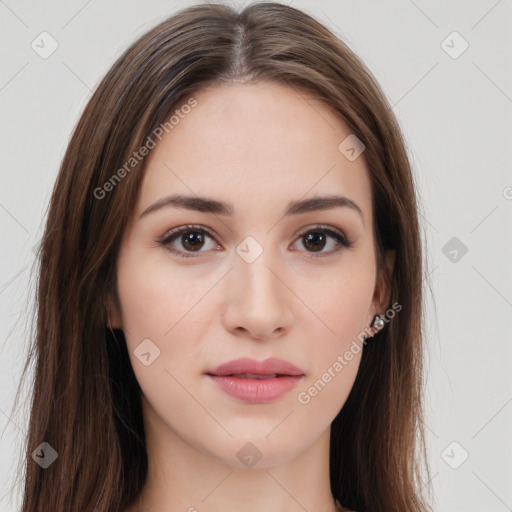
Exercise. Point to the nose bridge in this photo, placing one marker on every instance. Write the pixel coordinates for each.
(256, 298)
(258, 280)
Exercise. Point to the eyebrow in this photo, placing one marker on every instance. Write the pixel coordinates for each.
(207, 205)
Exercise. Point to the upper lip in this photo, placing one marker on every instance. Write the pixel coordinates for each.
(272, 365)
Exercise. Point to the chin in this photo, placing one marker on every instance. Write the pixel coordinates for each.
(259, 451)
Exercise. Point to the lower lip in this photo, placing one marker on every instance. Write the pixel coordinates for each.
(256, 391)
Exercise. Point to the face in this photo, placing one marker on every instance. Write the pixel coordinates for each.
(260, 272)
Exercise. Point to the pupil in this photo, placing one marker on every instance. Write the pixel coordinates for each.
(192, 241)
(313, 239)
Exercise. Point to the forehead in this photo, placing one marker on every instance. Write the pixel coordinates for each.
(267, 141)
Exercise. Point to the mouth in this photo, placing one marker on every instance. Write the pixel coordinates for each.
(250, 375)
(252, 381)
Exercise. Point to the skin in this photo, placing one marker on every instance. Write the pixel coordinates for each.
(257, 147)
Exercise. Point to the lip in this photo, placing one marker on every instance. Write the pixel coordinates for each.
(276, 377)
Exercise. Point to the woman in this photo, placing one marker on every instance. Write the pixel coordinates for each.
(230, 286)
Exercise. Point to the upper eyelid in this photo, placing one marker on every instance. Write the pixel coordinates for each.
(183, 229)
(176, 232)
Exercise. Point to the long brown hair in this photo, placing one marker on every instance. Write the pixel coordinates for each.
(86, 400)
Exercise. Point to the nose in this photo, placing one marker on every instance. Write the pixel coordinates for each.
(258, 302)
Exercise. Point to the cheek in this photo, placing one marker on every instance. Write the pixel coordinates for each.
(324, 394)
(338, 305)
(334, 333)
(335, 348)
(153, 296)
(165, 305)
(162, 305)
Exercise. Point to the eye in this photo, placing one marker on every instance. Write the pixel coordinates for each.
(317, 238)
(191, 238)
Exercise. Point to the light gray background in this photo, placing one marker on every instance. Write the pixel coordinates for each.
(456, 114)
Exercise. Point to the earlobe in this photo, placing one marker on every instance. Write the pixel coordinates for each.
(382, 292)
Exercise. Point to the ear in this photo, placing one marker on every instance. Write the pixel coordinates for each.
(113, 313)
(382, 293)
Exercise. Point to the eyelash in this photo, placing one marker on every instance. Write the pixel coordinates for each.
(165, 241)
